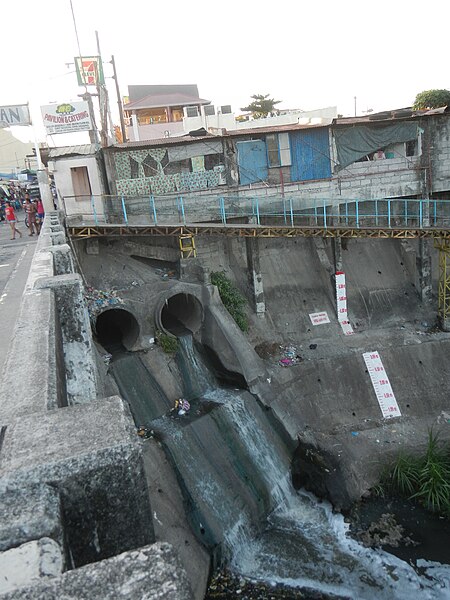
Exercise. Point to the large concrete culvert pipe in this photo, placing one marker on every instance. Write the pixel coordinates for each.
(180, 311)
(117, 327)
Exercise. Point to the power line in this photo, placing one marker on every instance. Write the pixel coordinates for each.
(79, 47)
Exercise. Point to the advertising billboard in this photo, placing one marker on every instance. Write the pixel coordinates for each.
(17, 114)
(89, 70)
(67, 117)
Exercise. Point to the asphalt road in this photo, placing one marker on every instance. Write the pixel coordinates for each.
(15, 260)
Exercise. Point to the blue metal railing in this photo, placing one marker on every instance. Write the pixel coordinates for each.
(289, 210)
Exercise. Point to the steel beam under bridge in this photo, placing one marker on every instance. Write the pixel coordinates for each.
(257, 231)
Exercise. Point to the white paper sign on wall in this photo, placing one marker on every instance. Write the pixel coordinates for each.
(319, 318)
(381, 385)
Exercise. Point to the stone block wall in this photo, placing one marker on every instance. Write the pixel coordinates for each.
(73, 490)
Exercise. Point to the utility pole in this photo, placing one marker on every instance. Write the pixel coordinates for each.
(42, 177)
(102, 101)
(119, 101)
(93, 133)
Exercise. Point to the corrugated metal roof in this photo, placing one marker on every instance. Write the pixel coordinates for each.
(169, 141)
(162, 100)
(277, 128)
(255, 131)
(390, 115)
(186, 139)
(81, 150)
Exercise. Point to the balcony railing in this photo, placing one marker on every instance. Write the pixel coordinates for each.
(291, 211)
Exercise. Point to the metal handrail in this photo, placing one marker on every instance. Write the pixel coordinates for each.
(319, 212)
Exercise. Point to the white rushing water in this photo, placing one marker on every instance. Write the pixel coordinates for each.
(231, 459)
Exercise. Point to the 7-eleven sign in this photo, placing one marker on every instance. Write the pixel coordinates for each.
(89, 70)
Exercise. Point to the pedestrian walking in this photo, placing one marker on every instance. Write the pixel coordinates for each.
(40, 213)
(11, 218)
(31, 212)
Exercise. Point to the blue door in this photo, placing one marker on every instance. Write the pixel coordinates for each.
(252, 161)
(310, 151)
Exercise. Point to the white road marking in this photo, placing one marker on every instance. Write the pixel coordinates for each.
(13, 274)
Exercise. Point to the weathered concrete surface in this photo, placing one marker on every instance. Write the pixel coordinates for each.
(150, 573)
(72, 484)
(62, 259)
(29, 512)
(36, 346)
(255, 276)
(328, 395)
(29, 563)
(76, 336)
(91, 454)
(224, 338)
(169, 518)
(329, 405)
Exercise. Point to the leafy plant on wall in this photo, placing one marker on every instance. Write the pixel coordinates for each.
(231, 297)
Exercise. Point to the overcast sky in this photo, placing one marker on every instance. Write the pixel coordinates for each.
(307, 54)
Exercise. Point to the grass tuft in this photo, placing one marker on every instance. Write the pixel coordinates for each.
(168, 343)
(231, 297)
(424, 478)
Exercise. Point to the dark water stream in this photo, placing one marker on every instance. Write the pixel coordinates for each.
(234, 471)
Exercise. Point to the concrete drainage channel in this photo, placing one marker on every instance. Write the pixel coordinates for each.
(179, 308)
(75, 517)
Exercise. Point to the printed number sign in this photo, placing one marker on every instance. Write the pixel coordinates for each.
(381, 385)
(341, 303)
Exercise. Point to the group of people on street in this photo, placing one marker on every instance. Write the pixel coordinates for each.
(34, 211)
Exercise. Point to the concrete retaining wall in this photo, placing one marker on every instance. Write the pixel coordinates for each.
(72, 485)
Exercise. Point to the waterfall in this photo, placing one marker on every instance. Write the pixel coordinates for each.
(234, 471)
(196, 377)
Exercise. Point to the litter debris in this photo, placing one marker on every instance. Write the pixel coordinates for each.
(107, 358)
(166, 273)
(287, 362)
(98, 300)
(289, 356)
(444, 417)
(312, 346)
(144, 433)
(182, 406)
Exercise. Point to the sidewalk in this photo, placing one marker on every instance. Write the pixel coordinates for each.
(15, 261)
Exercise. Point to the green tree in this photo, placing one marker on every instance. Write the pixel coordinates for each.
(432, 99)
(261, 106)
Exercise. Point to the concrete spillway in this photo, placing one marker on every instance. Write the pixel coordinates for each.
(319, 403)
(234, 471)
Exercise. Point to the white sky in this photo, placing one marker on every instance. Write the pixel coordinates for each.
(307, 54)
